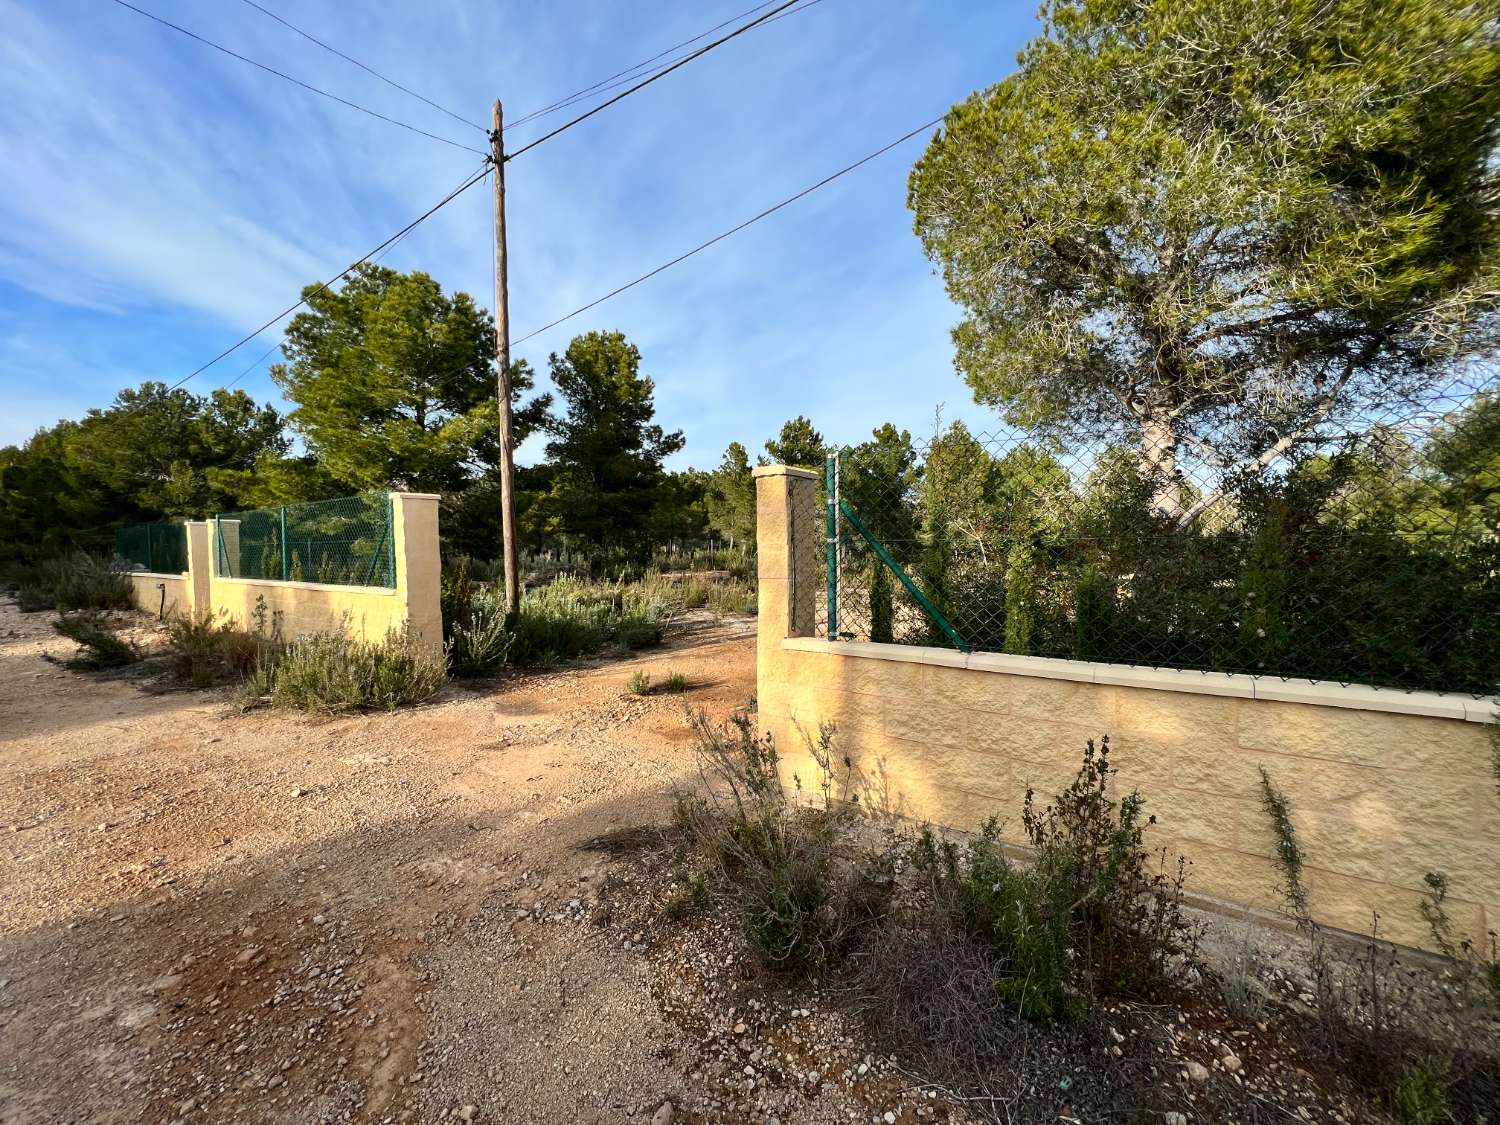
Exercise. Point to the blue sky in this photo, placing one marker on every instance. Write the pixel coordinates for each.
(160, 199)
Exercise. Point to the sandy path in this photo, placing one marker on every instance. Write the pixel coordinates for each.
(209, 916)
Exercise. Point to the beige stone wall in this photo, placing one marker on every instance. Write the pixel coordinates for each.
(148, 590)
(1379, 797)
(315, 607)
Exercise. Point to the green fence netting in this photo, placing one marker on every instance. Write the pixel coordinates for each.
(158, 547)
(1365, 553)
(344, 542)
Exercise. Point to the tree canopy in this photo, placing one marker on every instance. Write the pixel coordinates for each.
(606, 449)
(394, 382)
(1221, 230)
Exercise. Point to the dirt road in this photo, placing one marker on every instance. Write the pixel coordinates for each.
(213, 916)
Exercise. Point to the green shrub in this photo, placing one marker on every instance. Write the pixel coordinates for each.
(479, 643)
(674, 684)
(210, 648)
(101, 646)
(75, 581)
(640, 682)
(1421, 1094)
(783, 869)
(1086, 914)
(335, 672)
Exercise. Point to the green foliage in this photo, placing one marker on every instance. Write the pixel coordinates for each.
(774, 864)
(1020, 599)
(730, 497)
(394, 383)
(674, 683)
(1421, 1094)
(153, 454)
(1220, 233)
(798, 444)
(211, 648)
(606, 451)
(100, 646)
(1094, 615)
(640, 682)
(1087, 914)
(331, 672)
(1289, 854)
(72, 581)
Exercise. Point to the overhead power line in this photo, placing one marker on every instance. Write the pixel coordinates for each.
(732, 230)
(477, 177)
(701, 51)
(474, 179)
(629, 72)
(367, 69)
(295, 81)
(265, 355)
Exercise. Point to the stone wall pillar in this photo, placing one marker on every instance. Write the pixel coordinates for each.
(419, 565)
(200, 563)
(787, 537)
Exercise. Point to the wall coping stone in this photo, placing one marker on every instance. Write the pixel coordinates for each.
(782, 471)
(1358, 697)
(156, 574)
(327, 587)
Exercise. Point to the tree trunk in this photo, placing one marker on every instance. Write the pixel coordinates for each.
(1159, 462)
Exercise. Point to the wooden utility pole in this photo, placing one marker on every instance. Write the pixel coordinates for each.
(502, 377)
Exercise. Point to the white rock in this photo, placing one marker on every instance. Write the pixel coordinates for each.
(1175, 1118)
(1197, 1071)
(663, 1114)
(1231, 1062)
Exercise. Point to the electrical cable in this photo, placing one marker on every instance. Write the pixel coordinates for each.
(367, 69)
(629, 73)
(701, 51)
(732, 230)
(295, 81)
(452, 195)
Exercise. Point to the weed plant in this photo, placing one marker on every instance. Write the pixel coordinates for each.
(100, 646)
(330, 672)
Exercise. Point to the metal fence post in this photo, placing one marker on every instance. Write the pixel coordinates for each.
(286, 548)
(830, 487)
(150, 558)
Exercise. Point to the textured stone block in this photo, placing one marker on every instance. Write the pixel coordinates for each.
(1365, 737)
(1177, 717)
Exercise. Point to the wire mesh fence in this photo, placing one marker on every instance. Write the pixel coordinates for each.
(346, 542)
(157, 547)
(1370, 554)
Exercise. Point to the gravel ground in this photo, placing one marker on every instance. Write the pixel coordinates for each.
(455, 913)
(213, 916)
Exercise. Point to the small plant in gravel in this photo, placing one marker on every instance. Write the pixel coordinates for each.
(71, 582)
(101, 647)
(802, 888)
(212, 648)
(1086, 914)
(674, 683)
(640, 682)
(336, 672)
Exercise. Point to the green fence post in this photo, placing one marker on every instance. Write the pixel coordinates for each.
(150, 560)
(831, 487)
(286, 548)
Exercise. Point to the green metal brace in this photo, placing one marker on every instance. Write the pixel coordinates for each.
(911, 587)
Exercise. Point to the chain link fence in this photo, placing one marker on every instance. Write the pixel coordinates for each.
(344, 542)
(157, 547)
(1370, 554)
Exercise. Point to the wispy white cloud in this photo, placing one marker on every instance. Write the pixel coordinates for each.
(146, 176)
